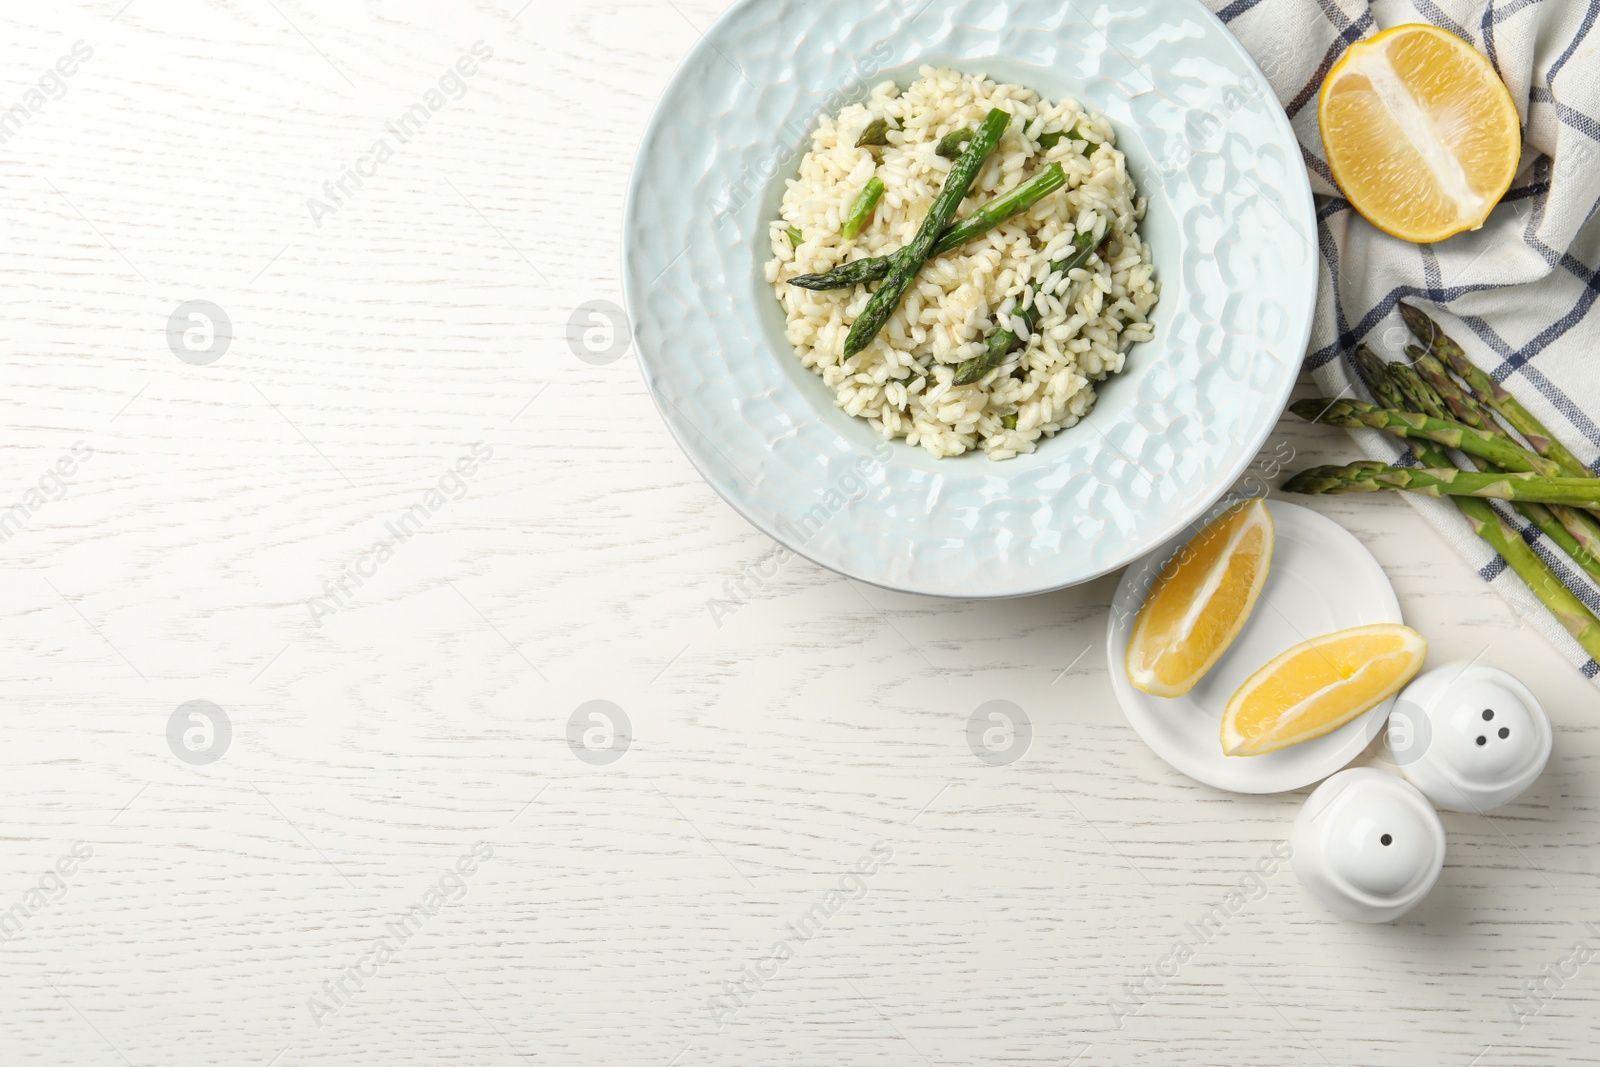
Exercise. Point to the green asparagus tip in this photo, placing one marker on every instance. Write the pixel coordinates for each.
(862, 209)
(1331, 480)
(795, 236)
(1374, 372)
(875, 135)
(951, 145)
(1369, 364)
(1312, 482)
(1420, 325)
(1312, 409)
(1421, 396)
(1049, 140)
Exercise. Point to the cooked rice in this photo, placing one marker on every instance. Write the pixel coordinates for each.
(902, 381)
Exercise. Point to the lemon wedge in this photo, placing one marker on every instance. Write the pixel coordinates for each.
(1200, 602)
(1317, 686)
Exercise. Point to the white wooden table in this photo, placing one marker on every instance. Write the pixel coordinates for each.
(253, 909)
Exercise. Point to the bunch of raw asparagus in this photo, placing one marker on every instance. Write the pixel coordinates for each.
(1515, 457)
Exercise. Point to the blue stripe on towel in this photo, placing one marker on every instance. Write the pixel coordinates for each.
(1435, 14)
(1503, 13)
(1572, 46)
(1235, 9)
(1348, 35)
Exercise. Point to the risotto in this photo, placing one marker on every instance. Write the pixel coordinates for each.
(1031, 314)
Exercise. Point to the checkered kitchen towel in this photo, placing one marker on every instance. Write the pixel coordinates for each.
(1518, 294)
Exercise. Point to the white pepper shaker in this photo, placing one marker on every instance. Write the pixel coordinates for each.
(1368, 845)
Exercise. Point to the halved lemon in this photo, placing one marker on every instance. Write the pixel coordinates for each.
(1200, 602)
(1319, 685)
(1420, 132)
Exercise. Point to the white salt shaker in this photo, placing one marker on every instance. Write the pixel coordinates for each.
(1470, 737)
(1368, 845)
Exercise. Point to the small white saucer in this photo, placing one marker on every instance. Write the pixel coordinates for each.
(1322, 580)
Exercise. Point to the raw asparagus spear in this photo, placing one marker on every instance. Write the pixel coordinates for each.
(1358, 414)
(1371, 367)
(1576, 532)
(1003, 342)
(1573, 531)
(1571, 612)
(1463, 408)
(1490, 391)
(1574, 616)
(1415, 390)
(1001, 209)
(1369, 477)
(862, 209)
(910, 259)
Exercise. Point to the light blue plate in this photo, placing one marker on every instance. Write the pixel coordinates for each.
(1230, 225)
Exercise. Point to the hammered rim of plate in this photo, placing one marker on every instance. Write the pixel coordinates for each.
(1231, 226)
